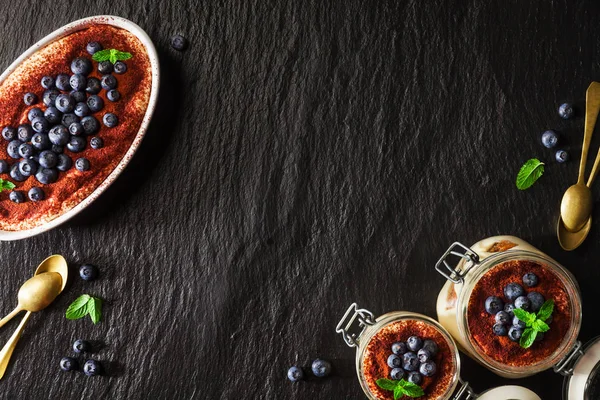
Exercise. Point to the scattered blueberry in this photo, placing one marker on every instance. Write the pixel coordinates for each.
(415, 377)
(13, 148)
(62, 82)
(523, 303)
(120, 67)
(40, 125)
(41, 141)
(27, 167)
(36, 194)
(25, 132)
(92, 368)
(113, 95)
(88, 272)
(76, 129)
(59, 135)
(321, 368)
(410, 361)
(81, 346)
(17, 196)
(26, 150)
(515, 333)
(562, 156)
(105, 67)
(16, 174)
(530, 279)
(414, 343)
(93, 86)
(493, 305)
(502, 317)
(398, 348)
(110, 120)
(536, 300)
(179, 42)
(30, 98)
(34, 113)
(78, 82)
(76, 145)
(64, 162)
(48, 159)
(394, 361)
(566, 111)
(295, 374)
(108, 82)
(93, 47)
(549, 139)
(65, 103)
(47, 82)
(68, 364)
(518, 323)
(69, 118)
(424, 355)
(82, 109)
(4, 167)
(428, 368)
(53, 115)
(513, 290)
(79, 95)
(46, 176)
(95, 103)
(9, 133)
(81, 65)
(500, 329)
(49, 97)
(430, 346)
(397, 374)
(90, 125)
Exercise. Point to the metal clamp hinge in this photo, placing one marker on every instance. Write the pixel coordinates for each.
(353, 313)
(449, 272)
(565, 366)
(464, 390)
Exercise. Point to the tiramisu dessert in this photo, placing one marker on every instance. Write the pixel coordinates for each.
(68, 115)
(412, 354)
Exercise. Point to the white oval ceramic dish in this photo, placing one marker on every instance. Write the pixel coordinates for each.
(153, 57)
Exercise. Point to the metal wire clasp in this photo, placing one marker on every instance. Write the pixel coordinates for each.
(465, 390)
(446, 270)
(365, 318)
(565, 366)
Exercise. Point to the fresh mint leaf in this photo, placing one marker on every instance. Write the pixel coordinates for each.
(546, 310)
(529, 173)
(112, 55)
(101, 55)
(122, 55)
(78, 308)
(386, 384)
(6, 185)
(540, 326)
(410, 389)
(524, 316)
(528, 338)
(95, 309)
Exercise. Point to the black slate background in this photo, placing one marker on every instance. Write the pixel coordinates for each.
(304, 155)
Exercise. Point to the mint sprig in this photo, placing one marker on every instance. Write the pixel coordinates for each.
(84, 305)
(400, 388)
(112, 55)
(529, 173)
(534, 322)
(6, 185)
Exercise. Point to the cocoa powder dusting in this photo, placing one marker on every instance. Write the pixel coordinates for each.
(380, 347)
(501, 348)
(73, 186)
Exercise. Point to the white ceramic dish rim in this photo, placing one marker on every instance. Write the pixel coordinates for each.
(153, 57)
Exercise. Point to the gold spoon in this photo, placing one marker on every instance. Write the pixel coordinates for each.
(36, 294)
(575, 218)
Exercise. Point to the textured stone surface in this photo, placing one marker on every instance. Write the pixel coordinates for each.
(305, 155)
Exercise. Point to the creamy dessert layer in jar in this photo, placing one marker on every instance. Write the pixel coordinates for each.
(509, 306)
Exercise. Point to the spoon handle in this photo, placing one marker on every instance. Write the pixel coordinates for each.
(592, 106)
(8, 348)
(9, 316)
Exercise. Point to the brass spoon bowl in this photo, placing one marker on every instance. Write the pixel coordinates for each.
(576, 207)
(35, 294)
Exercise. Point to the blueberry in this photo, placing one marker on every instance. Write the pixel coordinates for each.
(105, 67)
(90, 125)
(549, 139)
(25, 132)
(539, 336)
(68, 364)
(34, 113)
(518, 323)
(16, 174)
(59, 135)
(321, 368)
(17, 196)
(36, 194)
(428, 368)
(295, 374)
(430, 346)
(93, 86)
(46, 176)
(82, 346)
(414, 343)
(500, 329)
(62, 82)
(82, 164)
(397, 374)
(394, 361)
(95, 103)
(509, 308)
(82, 110)
(108, 82)
(53, 115)
(9, 133)
(502, 317)
(561, 156)
(47, 82)
(78, 82)
(88, 272)
(30, 98)
(566, 111)
(179, 42)
(410, 361)
(40, 125)
(64, 162)
(69, 118)
(536, 300)
(530, 279)
(513, 290)
(81, 65)
(4, 167)
(65, 103)
(92, 368)
(57, 149)
(27, 167)
(13, 148)
(523, 303)
(48, 159)
(398, 348)
(493, 304)
(76, 144)
(415, 377)
(113, 95)
(26, 150)
(79, 95)
(514, 333)
(120, 67)
(110, 120)
(41, 141)
(93, 47)
(548, 320)
(76, 129)
(424, 355)
(49, 97)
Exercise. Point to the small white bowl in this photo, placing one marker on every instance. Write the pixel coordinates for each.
(152, 55)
